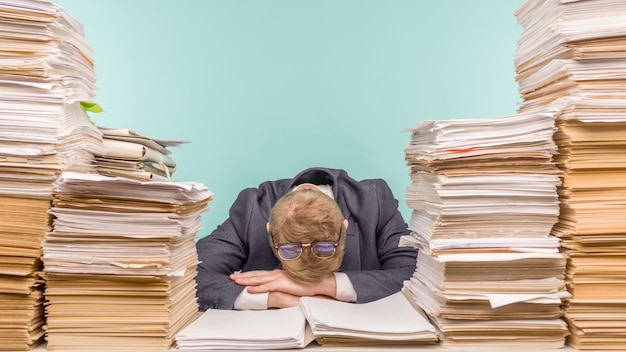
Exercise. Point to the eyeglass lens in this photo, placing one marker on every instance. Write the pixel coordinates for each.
(289, 250)
(294, 250)
(323, 249)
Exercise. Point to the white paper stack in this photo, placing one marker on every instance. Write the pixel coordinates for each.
(484, 199)
(120, 262)
(491, 177)
(571, 57)
(246, 330)
(46, 70)
(392, 320)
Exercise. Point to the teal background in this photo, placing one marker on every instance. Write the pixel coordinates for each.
(263, 89)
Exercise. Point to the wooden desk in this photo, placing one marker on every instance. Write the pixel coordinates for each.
(314, 347)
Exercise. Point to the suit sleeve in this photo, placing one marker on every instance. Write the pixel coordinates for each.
(221, 253)
(396, 264)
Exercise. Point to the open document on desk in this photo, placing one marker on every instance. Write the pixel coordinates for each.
(392, 320)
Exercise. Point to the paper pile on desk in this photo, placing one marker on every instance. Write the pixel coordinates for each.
(46, 70)
(570, 58)
(390, 321)
(246, 330)
(120, 262)
(484, 199)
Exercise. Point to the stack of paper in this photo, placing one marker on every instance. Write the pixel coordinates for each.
(571, 48)
(46, 70)
(246, 330)
(484, 199)
(489, 177)
(392, 320)
(130, 154)
(571, 58)
(120, 262)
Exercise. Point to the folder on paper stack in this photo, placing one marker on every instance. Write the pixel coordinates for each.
(120, 262)
(46, 71)
(484, 199)
(570, 58)
(130, 154)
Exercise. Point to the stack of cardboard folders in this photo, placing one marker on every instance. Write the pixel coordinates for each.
(571, 58)
(120, 262)
(130, 154)
(46, 70)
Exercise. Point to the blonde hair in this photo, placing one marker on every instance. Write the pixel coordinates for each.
(306, 216)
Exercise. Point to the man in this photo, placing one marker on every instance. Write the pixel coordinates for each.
(256, 261)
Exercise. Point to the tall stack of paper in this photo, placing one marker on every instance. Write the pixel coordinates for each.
(484, 199)
(130, 154)
(120, 262)
(570, 47)
(46, 70)
(571, 57)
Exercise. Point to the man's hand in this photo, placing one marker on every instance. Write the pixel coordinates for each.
(282, 300)
(277, 299)
(278, 281)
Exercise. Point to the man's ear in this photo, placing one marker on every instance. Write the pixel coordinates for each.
(267, 227)
(345, 224)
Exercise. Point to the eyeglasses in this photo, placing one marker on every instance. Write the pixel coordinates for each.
(292, 251)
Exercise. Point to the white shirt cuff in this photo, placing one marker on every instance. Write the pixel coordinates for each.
(251, 301)
(345, 290)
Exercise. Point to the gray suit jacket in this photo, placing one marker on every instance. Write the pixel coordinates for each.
(373, 261)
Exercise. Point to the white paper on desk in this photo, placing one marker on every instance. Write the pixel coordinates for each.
(389, 318)
(246, 329)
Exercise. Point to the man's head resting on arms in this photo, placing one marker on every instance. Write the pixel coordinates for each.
(307, 234)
